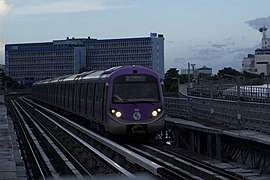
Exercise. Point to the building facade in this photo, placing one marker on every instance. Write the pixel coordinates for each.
(204, 71)
(30, 62)
(36, 61)
(248, 63)
(260, 61)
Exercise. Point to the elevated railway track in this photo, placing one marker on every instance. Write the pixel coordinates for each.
(55, 146)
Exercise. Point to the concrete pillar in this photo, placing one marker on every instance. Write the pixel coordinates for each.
(176, 137)
(218, 147)
(191, 145)
(209, 145)
(198, 143)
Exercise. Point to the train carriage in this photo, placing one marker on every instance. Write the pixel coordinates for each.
(124, 100)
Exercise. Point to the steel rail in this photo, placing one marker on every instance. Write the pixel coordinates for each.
(61, 159)
(87, 145)
(216, 172)
(37, 167)
(129, 155)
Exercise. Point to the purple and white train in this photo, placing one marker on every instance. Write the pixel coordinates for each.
(124, 100)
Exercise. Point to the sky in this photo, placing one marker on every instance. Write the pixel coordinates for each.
(214, 33)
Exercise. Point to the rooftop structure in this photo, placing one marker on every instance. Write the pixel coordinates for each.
(260, 61)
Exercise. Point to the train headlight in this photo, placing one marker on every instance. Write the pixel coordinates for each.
(117, 114)
(156, 112)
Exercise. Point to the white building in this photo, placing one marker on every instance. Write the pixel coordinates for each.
(248, 63)
(260, 61)
(204, 71)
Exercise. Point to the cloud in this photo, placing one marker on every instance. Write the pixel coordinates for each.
(215, 55)
(62, 6)
(259, 22)
(218, 46)
(4, 8)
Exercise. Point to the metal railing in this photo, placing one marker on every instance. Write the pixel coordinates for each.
(238, 114)
(234, 92)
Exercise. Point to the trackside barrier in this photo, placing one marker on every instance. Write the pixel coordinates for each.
(238, 114)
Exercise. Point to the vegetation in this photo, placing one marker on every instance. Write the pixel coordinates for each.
(10, 83)
(172, 77)
(170, 81)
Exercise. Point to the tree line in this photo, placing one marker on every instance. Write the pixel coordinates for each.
(172, 78)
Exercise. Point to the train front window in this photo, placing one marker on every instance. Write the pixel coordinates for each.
(135, 88)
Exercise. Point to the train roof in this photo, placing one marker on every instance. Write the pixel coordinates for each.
(95, 74)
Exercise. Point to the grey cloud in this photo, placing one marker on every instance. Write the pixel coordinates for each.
(208, 52)
(218, 46)
(215, 55)
(242, 50)
(218, 58)
(259, 22)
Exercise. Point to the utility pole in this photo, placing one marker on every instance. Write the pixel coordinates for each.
(189, 85)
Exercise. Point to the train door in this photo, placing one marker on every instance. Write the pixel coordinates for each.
(54, 94)
(83, 98)
(98, 106)
(77, 100)
(104, 110)
(68, 96)
(64, 95)
(59, 94)
(71, 95)
(90, 100)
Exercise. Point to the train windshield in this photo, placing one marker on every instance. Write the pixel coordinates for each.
(135, 88)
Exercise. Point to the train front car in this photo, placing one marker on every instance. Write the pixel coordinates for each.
(135, 102)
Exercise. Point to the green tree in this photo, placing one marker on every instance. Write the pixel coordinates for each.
(183, 78)
(10, 83)
(228, 71)
(171, 80)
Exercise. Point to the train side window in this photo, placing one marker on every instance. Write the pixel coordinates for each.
(59, 94)
(63, 95)
(72, 95)
(83, 91)
(54, 92)
(90, 99)
(90, 93)
(84, 97)
(69, 95)
(78, 98)
(99, 92)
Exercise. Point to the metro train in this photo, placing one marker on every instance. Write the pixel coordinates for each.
(123, 100)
